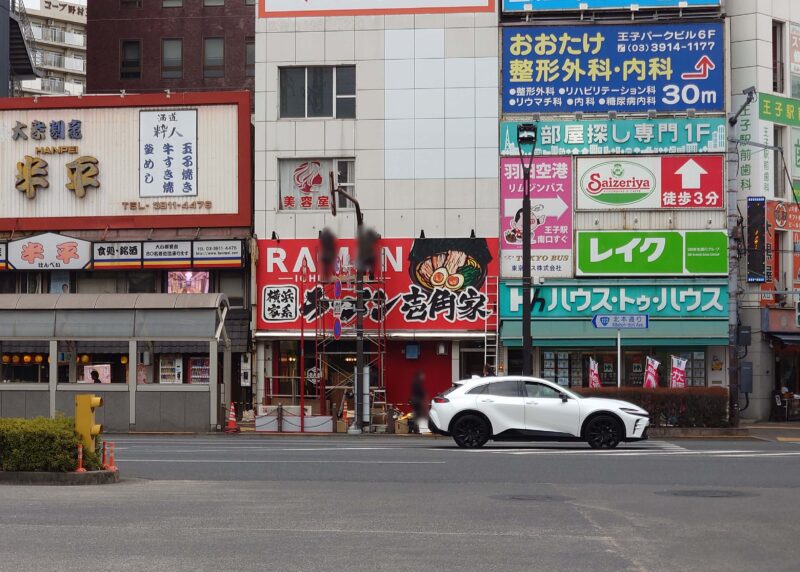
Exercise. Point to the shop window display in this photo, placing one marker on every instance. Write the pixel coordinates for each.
(569, 368)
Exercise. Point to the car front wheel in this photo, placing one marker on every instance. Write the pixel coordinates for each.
(470, 432)
(603, 432)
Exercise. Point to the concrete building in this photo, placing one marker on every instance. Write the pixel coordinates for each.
(155, 45)
(401, 106)
(59, 30)
(765, 55)
(128, 223)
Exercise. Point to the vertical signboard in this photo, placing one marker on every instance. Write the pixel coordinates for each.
(625, 68)
(551, 216)
(168, 153)
(756, 239)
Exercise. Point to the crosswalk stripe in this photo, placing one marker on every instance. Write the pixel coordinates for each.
(645, 453)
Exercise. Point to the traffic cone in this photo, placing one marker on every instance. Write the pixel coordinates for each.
(232, 427)
(111, 464)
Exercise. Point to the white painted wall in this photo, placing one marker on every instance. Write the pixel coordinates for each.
(425, 136)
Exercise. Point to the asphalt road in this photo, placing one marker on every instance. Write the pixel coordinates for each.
(309, 504)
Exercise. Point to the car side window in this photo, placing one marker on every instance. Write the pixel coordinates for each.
(540, 390)
(479, 389)
(504, 389)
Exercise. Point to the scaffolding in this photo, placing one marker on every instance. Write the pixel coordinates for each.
(334, 321)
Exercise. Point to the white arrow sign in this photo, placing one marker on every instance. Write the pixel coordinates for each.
(539, 207)
(691, 173)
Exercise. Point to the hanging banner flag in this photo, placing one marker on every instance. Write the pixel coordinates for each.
(594, 375)
(651, 375)
(678, 376)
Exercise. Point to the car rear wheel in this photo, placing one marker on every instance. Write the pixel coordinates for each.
(470, 432)
(603, 432)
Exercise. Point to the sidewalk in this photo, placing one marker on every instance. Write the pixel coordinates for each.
(781, 432)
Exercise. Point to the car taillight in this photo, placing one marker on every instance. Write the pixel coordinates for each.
(441, 400)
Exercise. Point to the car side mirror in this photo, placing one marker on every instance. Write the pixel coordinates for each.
(564, 397)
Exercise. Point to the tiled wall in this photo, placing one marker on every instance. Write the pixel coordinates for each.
(425, 137)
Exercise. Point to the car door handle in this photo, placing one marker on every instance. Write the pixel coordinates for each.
(487, 400)
(531, 402)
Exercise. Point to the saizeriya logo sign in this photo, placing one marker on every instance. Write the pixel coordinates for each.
(618, 182)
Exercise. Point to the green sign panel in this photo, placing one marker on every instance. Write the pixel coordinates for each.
(652, 253)
(777, 109)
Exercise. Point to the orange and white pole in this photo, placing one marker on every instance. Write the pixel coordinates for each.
(80, 468)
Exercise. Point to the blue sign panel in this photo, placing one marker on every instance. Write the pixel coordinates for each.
(530, 5)
(625, 68)
(621, 322)
(565, 299)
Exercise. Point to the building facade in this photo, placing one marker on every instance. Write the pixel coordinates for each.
(156, 45)
(59, 31)
(397, 106)
(116, 208)
(629, 232)
(765, 55)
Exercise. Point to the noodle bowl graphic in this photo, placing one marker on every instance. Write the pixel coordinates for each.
(450, 264)
(307, 176)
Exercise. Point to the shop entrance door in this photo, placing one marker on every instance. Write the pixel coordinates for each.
(470, 363)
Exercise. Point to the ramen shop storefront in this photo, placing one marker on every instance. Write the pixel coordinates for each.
(427, 299)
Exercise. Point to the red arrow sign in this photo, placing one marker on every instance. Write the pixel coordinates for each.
(703, 66)
(692, 181)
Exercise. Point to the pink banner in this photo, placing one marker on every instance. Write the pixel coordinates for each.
(551, 215)
(594, 375)
(678, 376)
(651, 375)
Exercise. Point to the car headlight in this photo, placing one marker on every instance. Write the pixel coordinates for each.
(637, 412)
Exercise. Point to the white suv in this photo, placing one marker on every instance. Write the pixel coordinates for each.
(530, 409)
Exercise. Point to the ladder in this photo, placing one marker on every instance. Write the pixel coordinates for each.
(491, 323)
(379, 416)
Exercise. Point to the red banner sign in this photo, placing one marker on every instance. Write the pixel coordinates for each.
(594, 375)
(424, 284)
(651, 374)
(678, 376)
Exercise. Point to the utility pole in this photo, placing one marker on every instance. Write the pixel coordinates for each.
(734, 235)
(526, 135)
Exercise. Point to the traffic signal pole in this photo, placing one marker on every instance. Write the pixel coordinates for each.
(358, 389)
(734, 235)
(526, 135)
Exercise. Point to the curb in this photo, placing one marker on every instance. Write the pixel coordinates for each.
(699, 432)
(63, 479)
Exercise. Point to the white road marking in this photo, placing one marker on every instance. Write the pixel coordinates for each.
(267, 461)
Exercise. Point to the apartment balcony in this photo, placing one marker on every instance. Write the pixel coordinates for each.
(58, 37)
(61, 62)
(51, 86)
